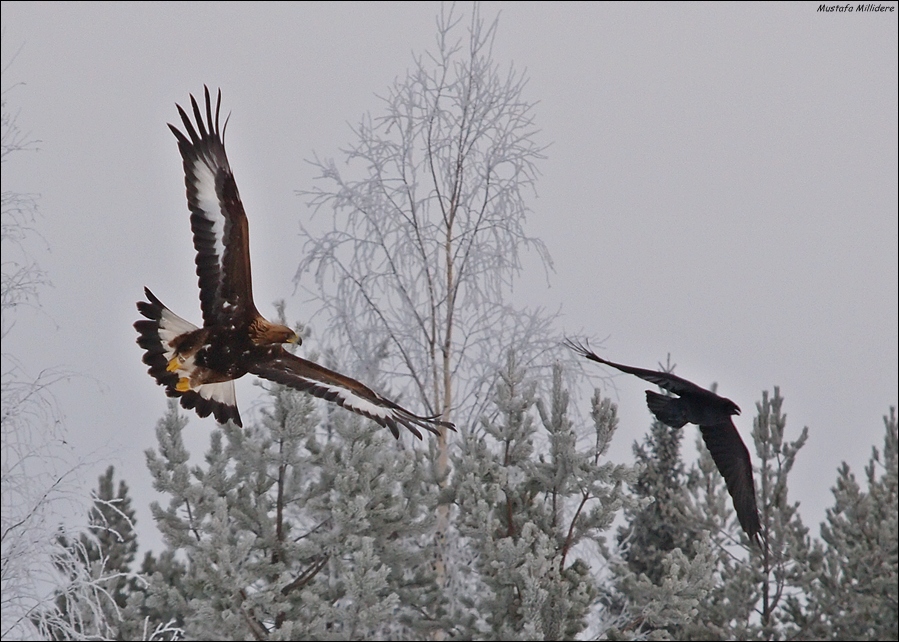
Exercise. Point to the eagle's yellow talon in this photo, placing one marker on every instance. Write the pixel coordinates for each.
(183, 384)
(174, 364)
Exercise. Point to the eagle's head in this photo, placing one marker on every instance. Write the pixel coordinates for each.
(267, 334)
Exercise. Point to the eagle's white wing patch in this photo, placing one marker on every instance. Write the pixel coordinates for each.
(350, 400)
(171, 325)
(222, 392)
(308, 376)
(204, 175)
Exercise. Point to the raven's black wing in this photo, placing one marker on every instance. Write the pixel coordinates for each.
(669, 382)
(732, 459)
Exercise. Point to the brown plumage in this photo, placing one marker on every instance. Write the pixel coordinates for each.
(199, 365)
(712, 414)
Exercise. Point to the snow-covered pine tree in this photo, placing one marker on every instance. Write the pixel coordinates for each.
(665, 523)
(714, 518)
(771, 583)
(856, 595)
(101, 597)
(227, 521)
(758, 593)
(373, 510)
(533, 501)
(661, 523)
(658, 572)
(296, 528)
(106, 549)
(755, 595)
(159, 603)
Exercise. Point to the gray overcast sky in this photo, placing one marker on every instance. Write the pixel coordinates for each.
(721, 185)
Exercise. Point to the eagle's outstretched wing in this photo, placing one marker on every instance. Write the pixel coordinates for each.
(297, 373)
(217, 217)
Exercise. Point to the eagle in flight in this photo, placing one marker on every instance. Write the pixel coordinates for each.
(695, 405)
(199, 365)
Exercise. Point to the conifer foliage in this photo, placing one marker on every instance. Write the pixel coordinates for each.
(533, 503)
(103, 597)
(855, 596)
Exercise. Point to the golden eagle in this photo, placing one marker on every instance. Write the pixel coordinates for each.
(712, 414)
(199, 365)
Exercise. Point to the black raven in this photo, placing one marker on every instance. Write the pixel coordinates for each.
(712, 414)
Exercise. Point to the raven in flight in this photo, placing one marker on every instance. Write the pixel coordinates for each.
(712, 414)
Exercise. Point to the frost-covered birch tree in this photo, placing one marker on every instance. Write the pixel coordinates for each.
(428, 223)
(37, 466)
(106, 549)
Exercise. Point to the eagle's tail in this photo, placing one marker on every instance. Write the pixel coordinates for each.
(156, 334)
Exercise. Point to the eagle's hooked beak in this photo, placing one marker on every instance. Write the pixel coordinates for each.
(295, 339)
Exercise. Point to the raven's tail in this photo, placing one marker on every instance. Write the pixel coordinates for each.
(669, 410)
